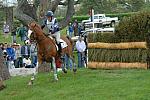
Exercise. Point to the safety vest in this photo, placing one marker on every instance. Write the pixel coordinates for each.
(51, 24)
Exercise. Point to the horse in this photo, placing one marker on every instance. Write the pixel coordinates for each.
(47, 49)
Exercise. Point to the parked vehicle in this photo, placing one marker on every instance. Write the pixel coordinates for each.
(105, 21)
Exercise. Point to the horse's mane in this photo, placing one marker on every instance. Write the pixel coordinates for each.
(38, 27)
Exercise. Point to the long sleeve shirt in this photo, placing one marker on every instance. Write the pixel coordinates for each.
(80, 46)
(11, 53)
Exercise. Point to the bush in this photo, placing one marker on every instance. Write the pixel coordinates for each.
(134, 28)
(79, 18)
(102, 37)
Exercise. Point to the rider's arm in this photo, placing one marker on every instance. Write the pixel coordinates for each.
(44, 24)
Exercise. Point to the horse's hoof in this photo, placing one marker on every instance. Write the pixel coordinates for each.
(64, 70)
(55, 77)
(74, 70)
(30, 83)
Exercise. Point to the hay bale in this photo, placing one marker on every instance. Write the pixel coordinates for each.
(128, 45)
(4, 72)
(112, 65)
(121, 55)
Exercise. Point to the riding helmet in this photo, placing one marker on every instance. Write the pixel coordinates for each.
(49, 14)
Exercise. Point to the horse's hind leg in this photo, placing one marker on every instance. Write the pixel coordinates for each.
(64, 64)
(54, 68)
(73, 63)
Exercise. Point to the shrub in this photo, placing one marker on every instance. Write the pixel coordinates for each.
(102, 37)
(134, 28)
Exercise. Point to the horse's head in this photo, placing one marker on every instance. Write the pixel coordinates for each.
(34, 31)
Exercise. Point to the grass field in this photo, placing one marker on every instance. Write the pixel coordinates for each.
(86, 84)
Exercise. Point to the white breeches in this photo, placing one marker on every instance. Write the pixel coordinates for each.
(57, 36)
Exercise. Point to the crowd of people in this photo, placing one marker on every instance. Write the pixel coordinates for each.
(18, 56)
(77, 29)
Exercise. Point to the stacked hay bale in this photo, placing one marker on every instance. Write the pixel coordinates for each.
(115, 55)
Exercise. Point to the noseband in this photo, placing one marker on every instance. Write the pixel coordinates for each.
(38, 38)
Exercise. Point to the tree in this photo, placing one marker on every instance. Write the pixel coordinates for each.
(4, 72)
(136, 4)
(24, 9)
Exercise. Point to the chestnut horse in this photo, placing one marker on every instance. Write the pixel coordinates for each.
(47, 50)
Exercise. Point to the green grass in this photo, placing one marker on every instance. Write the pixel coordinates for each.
(87, 84)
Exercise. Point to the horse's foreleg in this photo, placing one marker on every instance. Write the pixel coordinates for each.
(36, 71)
(54, 68)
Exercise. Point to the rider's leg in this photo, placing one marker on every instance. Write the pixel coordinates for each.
(57, 35)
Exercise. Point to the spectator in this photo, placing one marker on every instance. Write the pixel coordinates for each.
(10, 56)
(33, 50)
(17, 61)
(80, 46)
(27, 62)
(22, 33)
(4, 50)
(25, 50)
(70, 30)
(1, 45)
(6, 29)
(1, 51)
(80, 29)
(13, 34)
(68, 62)
(75, 28)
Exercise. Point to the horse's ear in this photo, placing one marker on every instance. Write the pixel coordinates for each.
(32, 24)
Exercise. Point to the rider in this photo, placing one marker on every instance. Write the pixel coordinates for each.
(53, 27)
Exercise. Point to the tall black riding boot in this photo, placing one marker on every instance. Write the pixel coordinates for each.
(59, 49)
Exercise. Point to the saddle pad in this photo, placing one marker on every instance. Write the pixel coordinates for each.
(63, 44)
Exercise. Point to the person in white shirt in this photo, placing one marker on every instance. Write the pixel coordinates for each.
(80, 46)
(27, 62)
(6, 29)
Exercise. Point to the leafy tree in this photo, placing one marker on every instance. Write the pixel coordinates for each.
(135, 28)
(24, 9)
(137, 4)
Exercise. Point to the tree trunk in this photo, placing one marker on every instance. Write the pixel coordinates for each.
(9, 16)
(54, 5)
(69, 14)
(2, 86)
(45, 67)
(23, 12)
(4, 72)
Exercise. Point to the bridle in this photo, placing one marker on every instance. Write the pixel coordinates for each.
(38, 38)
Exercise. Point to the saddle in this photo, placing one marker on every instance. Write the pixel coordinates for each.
(62, 42)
